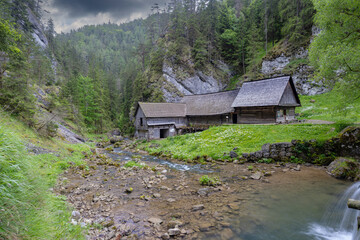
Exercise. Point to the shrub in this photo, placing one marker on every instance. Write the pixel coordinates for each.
(209, 181)
(131, 164)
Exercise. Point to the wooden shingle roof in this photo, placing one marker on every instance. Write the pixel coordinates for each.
(163, 109)
(267, 92)
(209, 104)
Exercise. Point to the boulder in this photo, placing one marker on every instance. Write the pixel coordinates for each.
(344, 168)
(233, 154)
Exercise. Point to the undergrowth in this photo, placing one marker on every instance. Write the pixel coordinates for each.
(28, 207)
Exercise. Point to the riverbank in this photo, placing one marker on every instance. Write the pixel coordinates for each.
(159, 201)
(216, 143)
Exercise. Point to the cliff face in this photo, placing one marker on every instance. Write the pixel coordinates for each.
(284, 59)
(294, 63)
(179, 81)
(38, 31)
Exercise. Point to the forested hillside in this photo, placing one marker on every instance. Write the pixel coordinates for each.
(95, 75)
(223, 41)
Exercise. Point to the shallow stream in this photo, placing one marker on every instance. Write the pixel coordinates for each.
(298, 206)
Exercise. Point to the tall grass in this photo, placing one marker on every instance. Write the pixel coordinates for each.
(28, 209)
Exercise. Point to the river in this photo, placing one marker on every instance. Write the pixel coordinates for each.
(287, 204)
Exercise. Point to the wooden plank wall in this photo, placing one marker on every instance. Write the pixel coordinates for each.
(257, 115)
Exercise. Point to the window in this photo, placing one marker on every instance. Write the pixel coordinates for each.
(141, 122)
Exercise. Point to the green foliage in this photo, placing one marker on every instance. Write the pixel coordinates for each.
(297, 16)
(131, 164)
(28, 209)
(266, 160)
(209, 181)
(248, 138)
(336, 50)
(294, 159)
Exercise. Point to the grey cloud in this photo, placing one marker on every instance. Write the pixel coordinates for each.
(117, 8)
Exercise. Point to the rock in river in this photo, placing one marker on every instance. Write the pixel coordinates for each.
(174, 231)
(155, 220)
(198, 207)
(256, 176)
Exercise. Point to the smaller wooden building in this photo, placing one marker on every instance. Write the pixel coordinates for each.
(159, 120)
(211, 108)
(267, 101)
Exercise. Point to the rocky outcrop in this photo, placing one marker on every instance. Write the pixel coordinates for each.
(69, 135)
(179, 82)
(301, 72)
(38, 33)
(344, 168)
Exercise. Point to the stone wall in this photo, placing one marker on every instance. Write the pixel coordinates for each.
(346, 144)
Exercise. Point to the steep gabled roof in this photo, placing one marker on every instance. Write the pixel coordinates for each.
(266, 92)
(209, 104)
(163, 109)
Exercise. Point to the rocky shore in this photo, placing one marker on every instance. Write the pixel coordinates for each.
(153, 201)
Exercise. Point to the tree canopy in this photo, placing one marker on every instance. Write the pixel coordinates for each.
(335, 52)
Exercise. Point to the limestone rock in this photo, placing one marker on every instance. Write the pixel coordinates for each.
(174, 232)
(198, 207)
(154, 220)
(256, 176)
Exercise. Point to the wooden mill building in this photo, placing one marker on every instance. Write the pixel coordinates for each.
(263, 101)
(267, 101)
(211, 108)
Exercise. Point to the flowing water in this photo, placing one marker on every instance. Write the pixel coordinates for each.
(122, 155)
(339, 222)
(284, 210)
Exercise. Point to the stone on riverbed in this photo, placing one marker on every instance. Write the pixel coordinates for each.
(174, 232)
(154, 220)
(197, 207)
(174, 224)
(256, 176)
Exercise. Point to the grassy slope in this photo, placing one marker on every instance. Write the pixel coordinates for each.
(326, 107)
(247, 138)
(28, 209)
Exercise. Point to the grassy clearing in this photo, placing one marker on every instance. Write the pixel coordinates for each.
(326, 107)
(216, 141)
(28, 208)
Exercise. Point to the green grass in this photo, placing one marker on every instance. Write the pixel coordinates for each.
(28, 208)
(131, 164)
(327, 107)
(216, 141)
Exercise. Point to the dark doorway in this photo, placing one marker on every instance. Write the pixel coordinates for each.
(164, 133)
(234, 118)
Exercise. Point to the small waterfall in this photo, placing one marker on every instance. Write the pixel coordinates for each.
(339, 222)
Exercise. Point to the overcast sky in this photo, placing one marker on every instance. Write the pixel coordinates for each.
(72, 14)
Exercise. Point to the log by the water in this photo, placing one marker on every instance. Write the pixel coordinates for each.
(354, 204)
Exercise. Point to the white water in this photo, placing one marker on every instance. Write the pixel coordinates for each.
(339, 222)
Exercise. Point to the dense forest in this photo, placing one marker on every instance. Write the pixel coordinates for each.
(103, 71)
